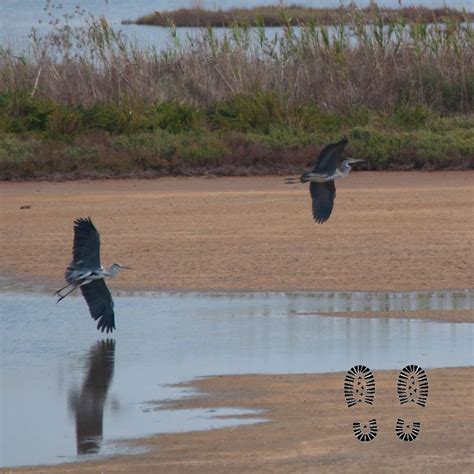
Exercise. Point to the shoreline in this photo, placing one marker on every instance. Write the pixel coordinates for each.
(309, 428)
(455, 315)
(295, 15)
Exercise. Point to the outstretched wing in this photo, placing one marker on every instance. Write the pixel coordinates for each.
(101, 305)
(323, 195)
(327, 159)
(86, 246)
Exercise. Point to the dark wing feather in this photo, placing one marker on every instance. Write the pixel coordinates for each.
(101, 305)
(86, 246)
(323, 195)
(327, 159)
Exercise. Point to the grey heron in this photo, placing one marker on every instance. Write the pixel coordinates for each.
(322, 177)
(86, 272)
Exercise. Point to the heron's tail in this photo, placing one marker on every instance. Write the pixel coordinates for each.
(73, 274)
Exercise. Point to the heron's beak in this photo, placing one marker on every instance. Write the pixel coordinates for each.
(353, 160)
(126, 268)
(292, 180)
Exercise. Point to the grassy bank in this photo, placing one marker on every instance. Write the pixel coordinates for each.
(295, 15)
(243, 136)
(86, 102)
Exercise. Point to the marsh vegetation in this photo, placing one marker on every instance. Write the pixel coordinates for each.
(88, 102)
(297, 15)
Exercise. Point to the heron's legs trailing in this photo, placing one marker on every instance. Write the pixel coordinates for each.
(61, 297)
(58, 292)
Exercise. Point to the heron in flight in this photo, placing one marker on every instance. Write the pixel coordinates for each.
(86, 272)
(322, 177)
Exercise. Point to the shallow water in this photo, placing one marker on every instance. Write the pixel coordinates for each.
(68, 394)
(17, 17)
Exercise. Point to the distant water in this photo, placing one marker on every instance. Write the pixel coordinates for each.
(17, 17)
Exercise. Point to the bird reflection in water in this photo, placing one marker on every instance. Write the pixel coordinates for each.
(88, 403)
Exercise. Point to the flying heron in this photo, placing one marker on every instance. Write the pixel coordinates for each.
(322, 177)
(86, 272)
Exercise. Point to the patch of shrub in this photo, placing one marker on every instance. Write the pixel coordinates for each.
(441, 151)
(63, 122)
(159, 143)
(411, 117)
(200, 149)
(312, 119)
(14, 150)
(284, 136)
(115, 118)
(380, 149)
(83, 157)
(160, 146)
(23, 113)
(245, 113)
(176, 117)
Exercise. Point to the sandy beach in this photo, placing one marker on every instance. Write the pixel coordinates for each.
(388, 231)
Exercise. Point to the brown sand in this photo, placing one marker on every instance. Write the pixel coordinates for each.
(311, 429)
(453, 315)
(389, 231)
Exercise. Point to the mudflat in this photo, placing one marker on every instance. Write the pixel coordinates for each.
(388, 231)
(310, 429)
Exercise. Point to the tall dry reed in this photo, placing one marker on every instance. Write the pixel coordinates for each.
(351, 65)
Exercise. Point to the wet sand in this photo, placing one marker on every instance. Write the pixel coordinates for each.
(388, 231)
(454, 315)
(311, 429)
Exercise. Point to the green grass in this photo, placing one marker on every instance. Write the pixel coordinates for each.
(245, 135)
(15, 151)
